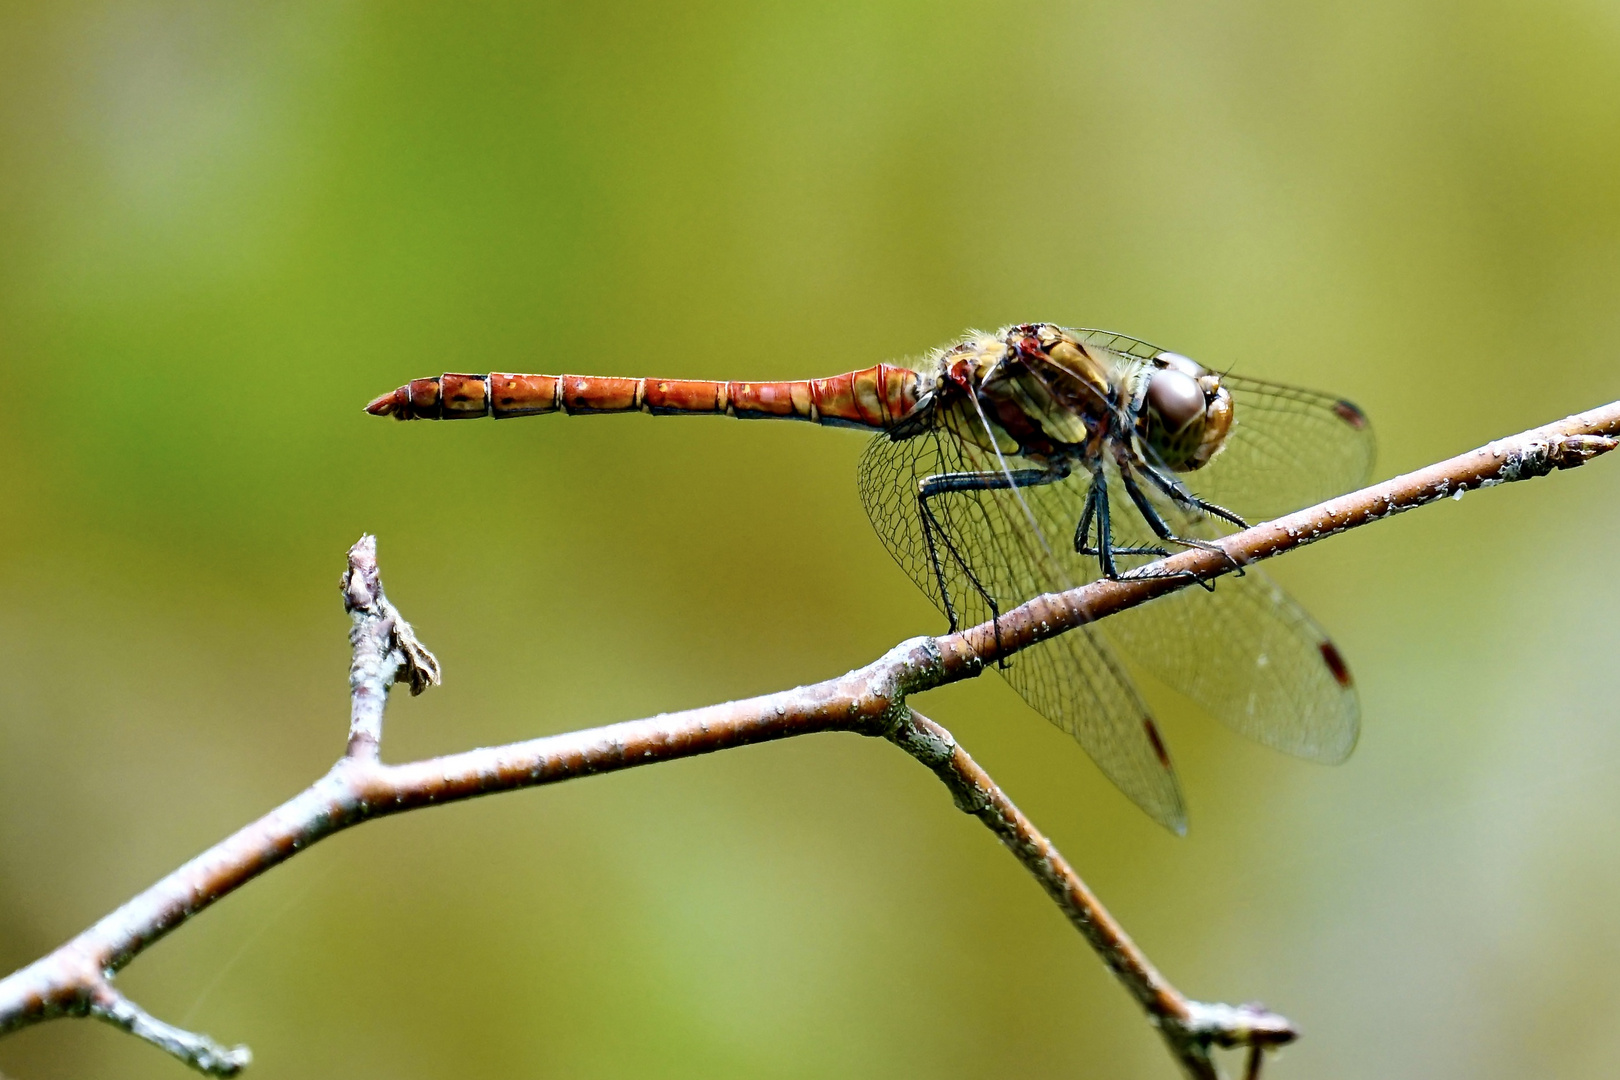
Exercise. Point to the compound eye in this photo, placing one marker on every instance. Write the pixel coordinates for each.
(1184, 364)
(1176, 397)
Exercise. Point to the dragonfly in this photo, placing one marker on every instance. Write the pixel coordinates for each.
(1039, 458)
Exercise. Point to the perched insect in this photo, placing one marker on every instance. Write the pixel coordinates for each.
(1035, 459)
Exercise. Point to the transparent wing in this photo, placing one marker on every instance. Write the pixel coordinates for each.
(1246, 652)
(1289, 448)
(1074, 681)
(1254, 659)
(991, 558)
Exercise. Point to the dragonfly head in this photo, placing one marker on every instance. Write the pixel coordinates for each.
(1185, 415)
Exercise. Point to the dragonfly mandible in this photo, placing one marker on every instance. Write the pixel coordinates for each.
(1038, 458)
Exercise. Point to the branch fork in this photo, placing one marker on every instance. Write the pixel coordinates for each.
(70, 983)
(77, 979)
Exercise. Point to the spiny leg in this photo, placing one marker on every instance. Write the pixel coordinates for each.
(1162, 530)
(1179, 494)
(1105, 550)
(930, 487)
(1084, 527)
(1105, 525)
(1184, 498)
(931, 526)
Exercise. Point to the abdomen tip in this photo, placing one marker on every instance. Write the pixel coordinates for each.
(389, 404)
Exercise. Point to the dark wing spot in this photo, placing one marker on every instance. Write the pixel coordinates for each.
(1152, 730)
(1351, 415)
(1336, 664)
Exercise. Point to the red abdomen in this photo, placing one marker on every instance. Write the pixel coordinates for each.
(876, 397)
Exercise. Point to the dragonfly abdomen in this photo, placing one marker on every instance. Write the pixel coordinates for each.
(875, 397)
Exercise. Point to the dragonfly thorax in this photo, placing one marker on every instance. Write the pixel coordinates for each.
(1030, 389)
(1047, 394)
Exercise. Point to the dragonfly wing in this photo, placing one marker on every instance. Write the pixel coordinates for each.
(1254, 659)
(1247, 652)
(1074, 681)
(996, 549)
(1288, 448)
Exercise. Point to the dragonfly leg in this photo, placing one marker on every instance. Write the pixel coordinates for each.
(1105, 526)
(931, 528)
(1097, 509)
(1161, 528)
(1084, 527)
(1184, 498)
(936, 535)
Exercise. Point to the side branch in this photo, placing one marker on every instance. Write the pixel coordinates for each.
(1191, 1028)
(76, 979)
(198, 1051)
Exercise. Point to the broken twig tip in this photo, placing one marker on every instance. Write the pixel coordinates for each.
(360, 583)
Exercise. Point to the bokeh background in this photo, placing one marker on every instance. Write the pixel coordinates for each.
(224, 227)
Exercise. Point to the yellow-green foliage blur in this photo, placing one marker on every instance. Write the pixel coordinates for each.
(224, 227)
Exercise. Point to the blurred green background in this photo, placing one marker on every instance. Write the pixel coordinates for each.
(224, 227)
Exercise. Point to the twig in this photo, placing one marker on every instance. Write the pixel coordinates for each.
(198, 1051)
(76, 979)
(1257, 1059)
(1190, 1027)
(385, 651)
